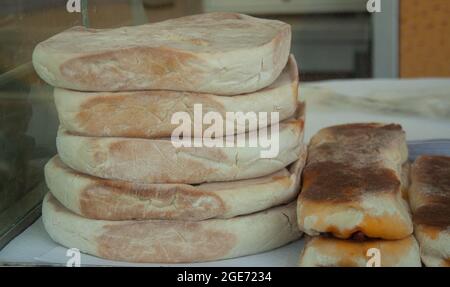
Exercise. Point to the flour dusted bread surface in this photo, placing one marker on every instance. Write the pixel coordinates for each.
(333, 252)
(120, 200)
(220, 53)
(167, 241)
(159, 161)
(147, 114)
(429, 197)
(353, 181)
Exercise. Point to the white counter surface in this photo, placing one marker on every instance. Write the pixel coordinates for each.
(35, 246)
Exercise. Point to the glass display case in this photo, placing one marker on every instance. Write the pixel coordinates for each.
(28, 116)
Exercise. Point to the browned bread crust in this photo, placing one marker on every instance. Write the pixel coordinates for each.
(431, 179)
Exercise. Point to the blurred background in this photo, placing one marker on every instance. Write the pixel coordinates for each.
(332, 39)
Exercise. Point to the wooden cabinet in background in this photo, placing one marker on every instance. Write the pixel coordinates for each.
(424, 38)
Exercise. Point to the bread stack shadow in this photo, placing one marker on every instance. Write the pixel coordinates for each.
(353, 202)
(121, 189)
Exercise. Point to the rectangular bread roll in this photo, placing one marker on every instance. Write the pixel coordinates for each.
(353, 181)
(429, 197)
(333, 252)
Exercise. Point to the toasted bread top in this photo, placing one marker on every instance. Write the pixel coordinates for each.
(431, 179)
(347, 161)
(332, 181)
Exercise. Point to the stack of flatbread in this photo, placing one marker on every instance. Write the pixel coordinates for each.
(121, 189)
(353, 200)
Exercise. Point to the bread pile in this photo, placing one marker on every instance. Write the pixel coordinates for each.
(353, 199)
(120, 189)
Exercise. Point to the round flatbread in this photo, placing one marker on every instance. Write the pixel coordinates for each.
(218, 53)
(148, 114)
(160, 161)
(107, 199)
(167, 241)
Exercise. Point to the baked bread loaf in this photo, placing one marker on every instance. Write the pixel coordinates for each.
(218, 53)
(429, 197)
(167, 241)
(159, 161)
(352, 183)
(98, 198)
(147, 114)
(333, 252)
